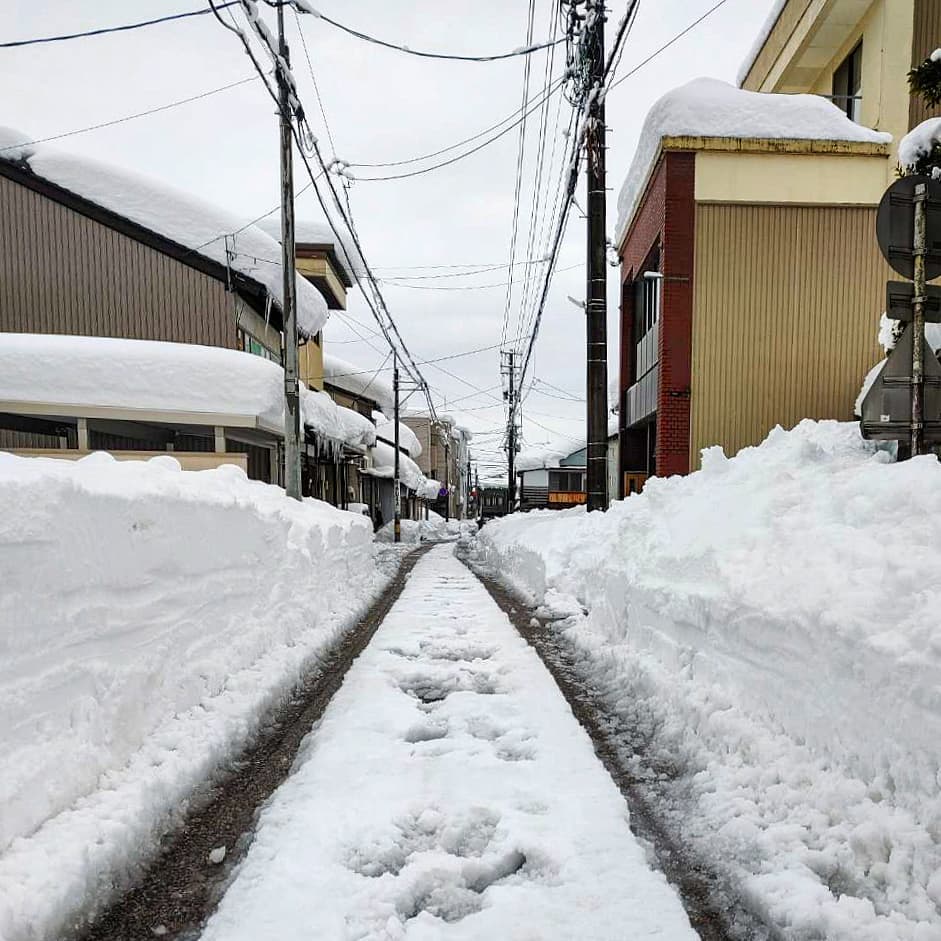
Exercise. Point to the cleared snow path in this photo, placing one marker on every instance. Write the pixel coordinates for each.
(447, 793)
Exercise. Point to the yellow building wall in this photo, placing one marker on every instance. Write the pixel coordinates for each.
(835, 179)
(310, 365)
(886, 34)
(787, 302)
(796, 58)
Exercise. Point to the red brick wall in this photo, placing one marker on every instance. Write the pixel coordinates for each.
(667, 214)
(676, 326)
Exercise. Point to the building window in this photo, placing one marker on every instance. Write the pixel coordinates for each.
(246, 342)
(566, 481)
(848, 84)
(647, 296)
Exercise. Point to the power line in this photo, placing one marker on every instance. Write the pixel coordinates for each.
(112, 29)
(313, 78)
(139, 114)
(666, 45)
(395, 283)
(446, 163)
(305, 7)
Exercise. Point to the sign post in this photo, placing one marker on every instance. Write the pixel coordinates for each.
(904, 402)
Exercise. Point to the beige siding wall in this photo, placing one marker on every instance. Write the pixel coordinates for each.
(786, 308)
(61, 272)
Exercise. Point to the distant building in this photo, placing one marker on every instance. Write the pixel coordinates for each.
(445, 457)
(550, 480)
(751, 279)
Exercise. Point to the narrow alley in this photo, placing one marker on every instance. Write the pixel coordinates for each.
(448, 791)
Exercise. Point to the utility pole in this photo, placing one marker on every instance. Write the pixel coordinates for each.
(920, 249)
(447, 477)
(396, 487)
(596, 306)
(292, 411)
(479, 503)
(467, 489)
(508, 369)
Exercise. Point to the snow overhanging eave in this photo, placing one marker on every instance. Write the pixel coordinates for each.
(749, 145)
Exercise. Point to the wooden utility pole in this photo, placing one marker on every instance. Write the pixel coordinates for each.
(292, 411)
(397, 489)
(920, 244)
(596, 306)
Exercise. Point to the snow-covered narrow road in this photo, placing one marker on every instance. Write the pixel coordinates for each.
(447, 793)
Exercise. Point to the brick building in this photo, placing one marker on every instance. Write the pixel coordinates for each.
(751, 279)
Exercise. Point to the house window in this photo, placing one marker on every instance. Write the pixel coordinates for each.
(249, 344)
(848, 84)
(566, 481)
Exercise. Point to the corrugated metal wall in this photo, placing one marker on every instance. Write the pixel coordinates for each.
(61, 272)
(926, 37)
(790, 334)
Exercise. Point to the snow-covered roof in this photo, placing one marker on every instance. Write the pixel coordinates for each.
(760, 39)
(365, 383)
(310, 232)
(538, 457)
(151, 376)
(385, 428)
(707, 107)
(383, 465)
(182, 218)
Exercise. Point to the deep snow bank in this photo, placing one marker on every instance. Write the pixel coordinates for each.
(147, 615)
(782, 605)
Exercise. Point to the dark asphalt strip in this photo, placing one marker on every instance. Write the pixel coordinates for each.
(181, 887)
(713, 911)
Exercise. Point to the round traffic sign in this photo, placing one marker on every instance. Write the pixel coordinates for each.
(895, 226)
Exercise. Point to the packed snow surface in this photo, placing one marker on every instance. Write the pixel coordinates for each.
(448, 792)
(148, 617)
(773, 619)
(176, 215)
(707, 107)
(149, 375)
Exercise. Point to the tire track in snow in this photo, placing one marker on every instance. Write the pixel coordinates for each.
(180, 888)
(714, 915)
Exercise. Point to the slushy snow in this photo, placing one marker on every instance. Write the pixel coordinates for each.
(773, 621)
(148, 618)
(448, 792)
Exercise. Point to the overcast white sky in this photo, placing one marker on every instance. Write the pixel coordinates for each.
(382, 105)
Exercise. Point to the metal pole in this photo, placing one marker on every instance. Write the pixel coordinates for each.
(292, 412)
(918, 321)
(596, 307)
(397, 488)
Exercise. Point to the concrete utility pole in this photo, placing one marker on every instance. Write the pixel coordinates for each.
(292, 411)
(396, 487)
(478, 504)
(467, 489)
(447, 476)
(510, 369)
(918, 320)
(596, 306)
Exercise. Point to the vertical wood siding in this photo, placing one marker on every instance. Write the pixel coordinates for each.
(786, 310)
(926, 37)
(61, 272)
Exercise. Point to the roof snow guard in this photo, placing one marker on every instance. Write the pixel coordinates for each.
(707, 109)
(171, 220)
